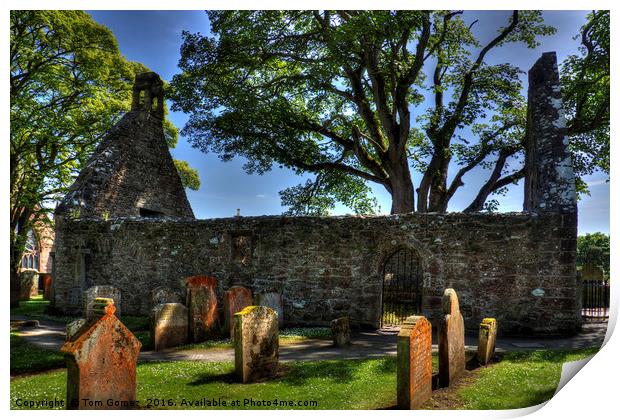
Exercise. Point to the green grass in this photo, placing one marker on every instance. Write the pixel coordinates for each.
(37, 308)
(27, 358)
(521, 379)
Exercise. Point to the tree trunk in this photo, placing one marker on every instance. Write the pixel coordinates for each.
(402, 189)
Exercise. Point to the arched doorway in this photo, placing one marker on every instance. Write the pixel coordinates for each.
(402, 287)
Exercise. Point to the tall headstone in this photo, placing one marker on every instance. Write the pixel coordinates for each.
(101, 358)
(341, 331)
(549, 177)
(256, 343)
(163, 294)
(235, 300)
(29, 284)
(486, 340)
(202, 305)
(414, 375)
(451, 337)
(272, 300)
(103, 291)
(169, 325)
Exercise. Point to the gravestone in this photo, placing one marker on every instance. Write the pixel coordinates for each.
(201, 302)
(486, 340)
(169, 325)
(341, 332)
(414, 363)
(256, 343)
(28, 284)
(103, 291)
(101, 360)
(235, 300)
(451, 337)
(46, 279)
(272, 300)
(163, 294)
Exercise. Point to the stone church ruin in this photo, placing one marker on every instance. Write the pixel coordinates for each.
(127, 223)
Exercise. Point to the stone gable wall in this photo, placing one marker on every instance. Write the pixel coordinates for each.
(328, 267)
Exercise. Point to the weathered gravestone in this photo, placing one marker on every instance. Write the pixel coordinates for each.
(451, 337)
(414, 363)
(28, 284)
(101, 360)
(341, 331)
(202, 305)
(272, 300)
(235, 300)
(169, 325)
(486, 340)
(46, 279)
(256, 343)
(163, 294)
(103, 291)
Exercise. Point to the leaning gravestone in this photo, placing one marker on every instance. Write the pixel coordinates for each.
(104, 291)
(163, 294)
(272, 300)
(256, 343)
(169, 325)
(341, 332)
(451, 337)
(202, 305)
(101, 360)
(414, 363)
(486, 340)
(235, 300)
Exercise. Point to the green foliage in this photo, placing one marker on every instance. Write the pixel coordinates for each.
(335, 94)
(594, 248)
(189, 176)
(586, 95)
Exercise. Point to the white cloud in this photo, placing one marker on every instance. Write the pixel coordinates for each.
(261, 196)
(597, 182)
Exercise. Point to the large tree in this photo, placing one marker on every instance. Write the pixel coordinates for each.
(68, 85)
(340, 94)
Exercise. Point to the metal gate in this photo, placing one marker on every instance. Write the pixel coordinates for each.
(402, 287)
(595, 300)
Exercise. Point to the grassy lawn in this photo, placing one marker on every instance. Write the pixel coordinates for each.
(26, 358)
(37, 308)
(521, 379)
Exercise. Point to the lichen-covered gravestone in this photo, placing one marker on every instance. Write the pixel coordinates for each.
(103, 291)
(28, 284)
(486, 340)
(202, 305)
(235, 300)
(341, 331)
(163, 294)
(169, 325)
(451, 337)
(414, 363)
(101, 360)
(272, 300)
(256, 343)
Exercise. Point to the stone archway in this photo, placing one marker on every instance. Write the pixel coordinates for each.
(402, 287)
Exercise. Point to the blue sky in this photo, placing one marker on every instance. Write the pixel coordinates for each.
(154, 38)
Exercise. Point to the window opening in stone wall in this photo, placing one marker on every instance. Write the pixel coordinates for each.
(150, 213)
(402, 287)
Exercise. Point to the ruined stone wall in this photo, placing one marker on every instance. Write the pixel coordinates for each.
(516, 267)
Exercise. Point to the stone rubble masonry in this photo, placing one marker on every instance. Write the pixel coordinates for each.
(274, 301)
(451, 339)
(202, 305)
(163, 294)
(28, 284)
(256, 343)
(169, 325)
(341, 331)
(327, 267)
(101, 363)
(235, 300)
(486, 340)
(102, 291)
(549, 177)
(414, 364)
(131, 172)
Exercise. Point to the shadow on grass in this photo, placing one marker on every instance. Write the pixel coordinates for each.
(224, 378)
(338, 371)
